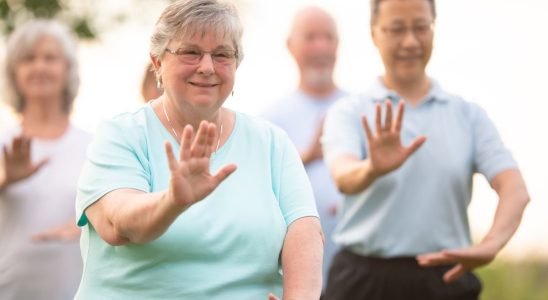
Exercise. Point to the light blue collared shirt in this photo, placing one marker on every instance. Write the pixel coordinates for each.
(421, 206)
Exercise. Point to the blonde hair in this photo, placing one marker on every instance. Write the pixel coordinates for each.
(19, 46)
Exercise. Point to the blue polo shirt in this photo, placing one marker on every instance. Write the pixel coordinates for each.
(422, 206)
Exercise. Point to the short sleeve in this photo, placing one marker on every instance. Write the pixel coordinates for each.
(342, 132)
(117, 158)
(290, 182)
(490, 155)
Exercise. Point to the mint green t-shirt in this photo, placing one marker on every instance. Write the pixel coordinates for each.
(226, 246)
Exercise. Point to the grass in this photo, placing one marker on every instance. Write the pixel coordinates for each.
(505, 280)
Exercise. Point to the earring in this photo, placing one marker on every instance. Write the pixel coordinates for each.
(159, 83)
(232, 93)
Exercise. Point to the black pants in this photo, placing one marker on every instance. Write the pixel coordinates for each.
(356, 277)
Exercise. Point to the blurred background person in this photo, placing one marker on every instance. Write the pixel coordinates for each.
(177, 227)
(41, 159)
(404, 226)
(313, 43)
(149, 87)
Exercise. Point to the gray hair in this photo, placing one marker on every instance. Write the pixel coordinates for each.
(374, 7)
(20, 45)
(185, 18)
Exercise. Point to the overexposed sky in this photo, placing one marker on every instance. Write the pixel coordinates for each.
(492, 52)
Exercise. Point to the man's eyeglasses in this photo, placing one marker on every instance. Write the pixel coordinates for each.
(193, 56)
(419, 30)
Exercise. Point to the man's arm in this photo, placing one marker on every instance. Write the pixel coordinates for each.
(513, 198)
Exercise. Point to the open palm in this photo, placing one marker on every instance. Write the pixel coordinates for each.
(385, 150)
(18, 163)
(191, 180)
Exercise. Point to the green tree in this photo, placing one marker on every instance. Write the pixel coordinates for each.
(16, 12)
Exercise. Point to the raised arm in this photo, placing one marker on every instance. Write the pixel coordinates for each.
(385, 153)
(130, 216)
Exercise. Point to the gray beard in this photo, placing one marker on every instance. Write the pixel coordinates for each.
(317, 79)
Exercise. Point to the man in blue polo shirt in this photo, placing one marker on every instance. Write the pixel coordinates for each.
(408, 179)
(313, 43)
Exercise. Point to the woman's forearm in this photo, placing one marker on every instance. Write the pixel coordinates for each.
(302, 257)
(131, 216)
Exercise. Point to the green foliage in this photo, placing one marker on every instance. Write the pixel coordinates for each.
(515, 281)
(16, 12)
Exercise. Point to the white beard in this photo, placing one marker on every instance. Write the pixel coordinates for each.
(317, 78)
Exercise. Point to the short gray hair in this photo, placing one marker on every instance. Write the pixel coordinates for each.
(20, 45)
(185, 18)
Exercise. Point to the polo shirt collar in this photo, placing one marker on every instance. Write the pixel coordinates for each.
(379, 92)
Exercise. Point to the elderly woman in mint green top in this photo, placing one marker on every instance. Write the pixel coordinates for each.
(221, 212)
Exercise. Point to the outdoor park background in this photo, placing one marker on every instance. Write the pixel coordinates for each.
(492, 52)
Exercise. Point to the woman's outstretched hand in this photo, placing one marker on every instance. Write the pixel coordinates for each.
(190, 179)
(18, 163)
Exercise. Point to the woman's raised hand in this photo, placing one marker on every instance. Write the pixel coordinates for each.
(190, 179)
(385, 150)
(18, 163)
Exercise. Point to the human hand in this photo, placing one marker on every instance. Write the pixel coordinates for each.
(190, 178)
(314, 150)
(18, 164)
(385, 151)
(464, 259)
(63, 233)
(333, 209)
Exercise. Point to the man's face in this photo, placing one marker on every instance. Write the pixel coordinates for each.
(403, 34)
(313, 43)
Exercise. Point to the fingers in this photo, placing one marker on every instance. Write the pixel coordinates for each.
(416, 144)
(25, 147)
(198, 146)
(212, 136)
(378, 118)
(223, 173)
(454, 273)
(388, 118)
(16, 144)
(201, 144)
(186, 142)
(66, 232)
(399, 116)
(368, 132)
(42, 237)
(171, 161)
(435, 259)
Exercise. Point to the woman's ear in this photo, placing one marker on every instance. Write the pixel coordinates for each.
(156, 63)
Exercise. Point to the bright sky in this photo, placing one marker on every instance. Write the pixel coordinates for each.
(492, 52)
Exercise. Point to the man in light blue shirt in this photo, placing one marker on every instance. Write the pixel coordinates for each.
(313, 43)
(404, 225)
